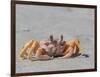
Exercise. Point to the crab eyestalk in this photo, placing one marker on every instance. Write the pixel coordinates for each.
(61, 38)
(62, 42)
(51, 38)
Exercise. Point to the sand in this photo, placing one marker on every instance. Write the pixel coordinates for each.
(38, 22)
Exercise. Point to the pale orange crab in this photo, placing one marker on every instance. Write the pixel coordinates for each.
(48, 49)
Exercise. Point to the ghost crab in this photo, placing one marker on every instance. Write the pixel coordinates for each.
(48, 49)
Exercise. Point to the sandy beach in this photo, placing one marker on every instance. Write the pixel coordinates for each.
(38, 22)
